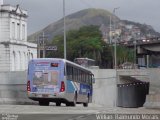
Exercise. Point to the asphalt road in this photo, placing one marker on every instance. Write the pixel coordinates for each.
(93, 112)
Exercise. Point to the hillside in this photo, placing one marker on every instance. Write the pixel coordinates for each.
(75, 21)
(87, 17)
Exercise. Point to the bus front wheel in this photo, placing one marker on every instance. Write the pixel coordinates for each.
(86, 104)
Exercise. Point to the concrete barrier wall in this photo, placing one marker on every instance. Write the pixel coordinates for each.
(15, 77)
(13, 88)
(153, 99)
(104, 87)
(154, 75)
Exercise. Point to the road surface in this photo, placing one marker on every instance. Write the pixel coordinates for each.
(93, 112)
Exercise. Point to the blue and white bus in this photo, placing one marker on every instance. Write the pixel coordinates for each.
(60, 81)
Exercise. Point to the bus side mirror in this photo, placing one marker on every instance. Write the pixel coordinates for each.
(93, 80)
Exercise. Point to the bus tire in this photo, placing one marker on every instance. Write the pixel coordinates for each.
(86, 104)
(58, 104)
(43, 103)
(68, 104)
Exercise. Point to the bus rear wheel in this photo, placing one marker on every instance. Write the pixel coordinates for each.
(43, 103)
(58, 104)
(74, 101)
(68, 104)
(73, 104)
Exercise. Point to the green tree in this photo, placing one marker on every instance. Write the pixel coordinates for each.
(124, 54)
(85, 42)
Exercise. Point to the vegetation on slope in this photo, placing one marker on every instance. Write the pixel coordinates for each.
(87, 42)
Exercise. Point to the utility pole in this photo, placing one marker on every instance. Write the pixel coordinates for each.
(44, 53)
(64, 23)
(41, 45)
(38, 48)
(135, 51)
(115, 45)
(115, 58)
(110, 30)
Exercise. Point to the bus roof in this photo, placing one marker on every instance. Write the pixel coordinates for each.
(64, 60)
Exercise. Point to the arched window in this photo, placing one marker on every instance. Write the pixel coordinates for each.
(14, 61)
(20, 61)
(24, 61)
(18, 55)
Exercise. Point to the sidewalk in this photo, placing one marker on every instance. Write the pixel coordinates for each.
(120, 110)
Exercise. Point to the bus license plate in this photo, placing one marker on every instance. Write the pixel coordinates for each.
(44, 95)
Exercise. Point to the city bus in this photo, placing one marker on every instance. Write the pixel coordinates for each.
(60, 81)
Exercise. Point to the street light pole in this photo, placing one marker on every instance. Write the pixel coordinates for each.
(44, 51)
(64, 23)
(110, 30)
(115, 45)
(115, 58)
(135, 51)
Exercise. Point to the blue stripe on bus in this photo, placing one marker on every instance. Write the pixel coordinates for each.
(83, 89)
(70, 87)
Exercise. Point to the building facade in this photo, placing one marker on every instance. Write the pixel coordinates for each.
(15, 51)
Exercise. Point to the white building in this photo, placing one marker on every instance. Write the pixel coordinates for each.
(15, 51)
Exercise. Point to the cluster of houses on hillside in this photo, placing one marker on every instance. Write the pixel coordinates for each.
(124, 32)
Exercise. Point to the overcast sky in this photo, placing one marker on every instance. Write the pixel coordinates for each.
(43, 12)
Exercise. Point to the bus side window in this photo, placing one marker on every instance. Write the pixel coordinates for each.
(83, 77)
(90, 78)
(74, 74)
(69, 72)
(87, 78)
(80, 74)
